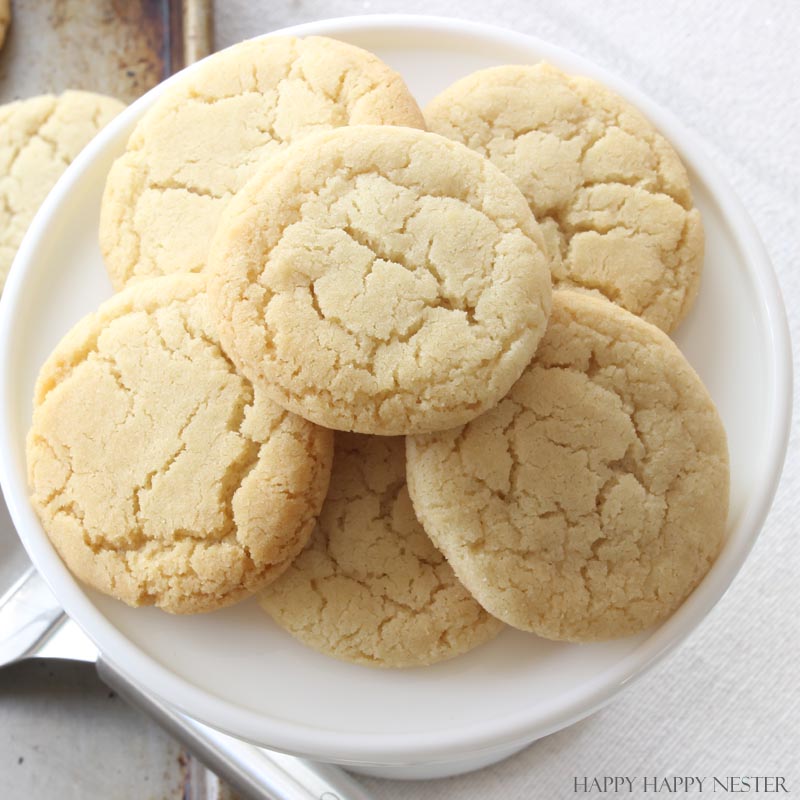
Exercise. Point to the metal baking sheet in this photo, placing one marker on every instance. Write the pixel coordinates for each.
(116, 47)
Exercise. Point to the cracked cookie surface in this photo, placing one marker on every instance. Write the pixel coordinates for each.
(206, 134)
(39, 138)
(610, 193)
(161, 476)
(591, 501)
(380, 279)
(370, 587)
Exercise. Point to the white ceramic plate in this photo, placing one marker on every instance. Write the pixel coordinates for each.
(235, 669)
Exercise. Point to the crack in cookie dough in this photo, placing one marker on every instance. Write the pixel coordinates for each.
(593, 499)
(610, 193)
(160, 474)
(39, 138)
(198, 145)
(382, 280)
(370, 587)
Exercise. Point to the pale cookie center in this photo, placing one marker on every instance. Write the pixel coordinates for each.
(172, 458)
(380, 261)
(371, 586)
(578, 469)
(618, 234)
(613, 195)
(570, 457)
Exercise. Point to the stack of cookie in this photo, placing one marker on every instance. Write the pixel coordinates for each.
(296, 255)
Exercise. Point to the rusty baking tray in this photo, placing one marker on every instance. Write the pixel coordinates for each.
(117, 47)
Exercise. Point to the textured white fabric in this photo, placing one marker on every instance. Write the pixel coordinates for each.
(728, 701)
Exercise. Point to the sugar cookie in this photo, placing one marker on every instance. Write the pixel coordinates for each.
(592, 500)
(609, 191)
(199, 143)
(370, 587)
(161, 476)
(380, 279)
(39, 137)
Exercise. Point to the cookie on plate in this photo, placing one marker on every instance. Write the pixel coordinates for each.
(202, 139)
(160, 474)
(39, 137)
(610, 193)
(591, 501)
(370, 587)
(381, 280)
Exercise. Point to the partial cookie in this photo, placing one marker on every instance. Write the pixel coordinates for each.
(609, 191)
(39, 137)
(593, 499)
(382, 280)
(160, 474)
(5, 19)
(370, 587)
(208, 131)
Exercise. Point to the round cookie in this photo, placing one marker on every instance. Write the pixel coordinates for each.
(203, 138)
(39, 137)
(5, 19)
(370, 587)
(608, 190)
(591, 501)
(380, 279)
(161, 476)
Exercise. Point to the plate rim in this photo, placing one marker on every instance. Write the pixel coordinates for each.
(523, 725)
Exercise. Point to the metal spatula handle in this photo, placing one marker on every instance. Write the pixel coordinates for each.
(252, 771)
(32, 623)
(29, 615)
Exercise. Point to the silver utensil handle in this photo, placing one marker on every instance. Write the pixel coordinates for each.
(256, 773)
(29, 615)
